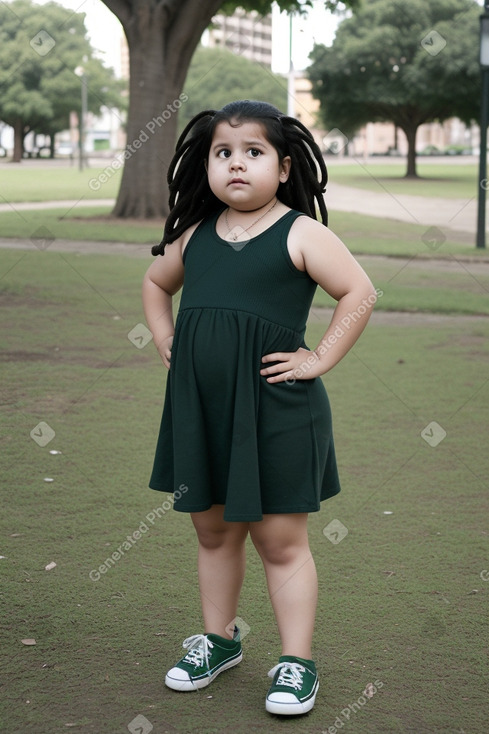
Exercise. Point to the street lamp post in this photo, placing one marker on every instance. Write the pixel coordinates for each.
(291, 76)
(483, 182)
(80, 72)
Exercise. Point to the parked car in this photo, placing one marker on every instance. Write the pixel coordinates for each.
(458, 150)
(430, 150)
(43, 152)
(392, 152)
(64, 150)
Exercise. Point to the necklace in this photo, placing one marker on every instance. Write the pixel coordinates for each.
(234, 235)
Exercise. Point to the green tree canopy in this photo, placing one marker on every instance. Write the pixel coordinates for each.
(40, 48)
(162, 36)
(208, 87)
(406, 63)
(290, 6)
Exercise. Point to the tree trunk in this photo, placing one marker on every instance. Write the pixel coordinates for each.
(18, 141)
(162, 37)
(151, 129)
(410, 132)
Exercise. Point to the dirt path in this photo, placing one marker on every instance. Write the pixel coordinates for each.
(451, 263)
(65, 204)
(410, 319)
(84, 248)
(459, 215)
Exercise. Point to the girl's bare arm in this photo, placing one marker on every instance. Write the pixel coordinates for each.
(317, 250)
(162, 280)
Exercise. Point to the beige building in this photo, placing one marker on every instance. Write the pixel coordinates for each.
(379, 138)
(250, 34)
(247, 34)
(382, 138)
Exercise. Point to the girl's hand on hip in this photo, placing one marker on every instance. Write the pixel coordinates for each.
(164, 349)
(300, 365)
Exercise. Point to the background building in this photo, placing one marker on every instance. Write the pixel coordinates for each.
(247, 34)
(250, 34)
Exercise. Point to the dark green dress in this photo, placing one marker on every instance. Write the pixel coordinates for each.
(228, 436)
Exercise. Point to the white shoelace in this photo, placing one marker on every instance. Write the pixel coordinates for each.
(199, 648)
(290, 675)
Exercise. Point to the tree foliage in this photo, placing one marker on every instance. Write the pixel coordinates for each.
(217, 76)
(289, 6)
(40, 48)
(162, 36)
(406, 63)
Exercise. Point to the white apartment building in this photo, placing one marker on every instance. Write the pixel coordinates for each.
(247, 34)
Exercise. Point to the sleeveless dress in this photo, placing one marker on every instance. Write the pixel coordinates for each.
(227, 436)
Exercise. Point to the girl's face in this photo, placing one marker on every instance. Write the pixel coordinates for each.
(243, 168)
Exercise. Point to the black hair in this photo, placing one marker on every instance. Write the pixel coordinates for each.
(191, 198)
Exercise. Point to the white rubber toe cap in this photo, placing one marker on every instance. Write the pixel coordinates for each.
(179, 680)
(286, 698)
(287, 704)
(177, 674)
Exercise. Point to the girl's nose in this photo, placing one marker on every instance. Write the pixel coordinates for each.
(236, 163)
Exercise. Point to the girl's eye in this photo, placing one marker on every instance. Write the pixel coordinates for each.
(224, 153)
(254, 153)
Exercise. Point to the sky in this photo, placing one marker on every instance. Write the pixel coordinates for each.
(319, 26)
(104, 29)
(105, 32)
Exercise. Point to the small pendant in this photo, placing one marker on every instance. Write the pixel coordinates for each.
(234, 236)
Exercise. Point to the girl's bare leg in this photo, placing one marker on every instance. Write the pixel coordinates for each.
(283, 545)
(221, 566)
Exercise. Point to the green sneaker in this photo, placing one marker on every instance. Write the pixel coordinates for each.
(294, 687)
(207, 656)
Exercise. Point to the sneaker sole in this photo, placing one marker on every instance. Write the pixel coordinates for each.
(194, 685)
(291, 709)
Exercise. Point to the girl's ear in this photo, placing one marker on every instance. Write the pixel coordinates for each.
(285, 169)
(205, 165)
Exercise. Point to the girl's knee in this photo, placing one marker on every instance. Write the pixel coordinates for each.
(210, 539)
(214, 539)
(277, 555)
(281, 539)
(280, 553)
(213, 532)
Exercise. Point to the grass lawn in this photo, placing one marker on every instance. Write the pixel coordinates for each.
(401, 598)
(51, 183)
(419, 285)
(82, 223)
(442, 180)
(43, 182)
(443, 280)
(362, 234)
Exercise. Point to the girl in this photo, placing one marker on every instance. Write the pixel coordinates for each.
(246, 440)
